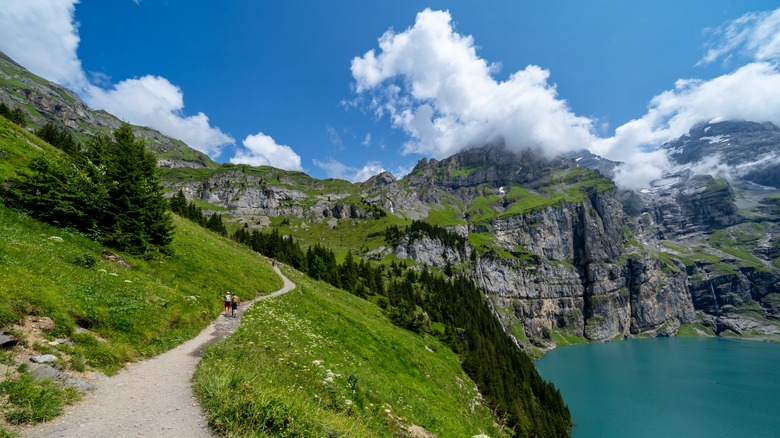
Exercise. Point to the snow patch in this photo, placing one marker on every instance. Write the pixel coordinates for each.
(716, 139)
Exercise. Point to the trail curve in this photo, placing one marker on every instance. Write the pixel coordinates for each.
(151, 398)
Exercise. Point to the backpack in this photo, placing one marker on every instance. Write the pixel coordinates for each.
(235, 299)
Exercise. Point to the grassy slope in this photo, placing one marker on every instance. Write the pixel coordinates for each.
(142, 310)
(272, 377)
(157, 304)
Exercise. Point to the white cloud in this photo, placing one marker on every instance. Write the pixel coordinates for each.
(336, 169)
(370, 169)
(432, 84)
(154, 102)
(367, 140)
(262, 150)
(756, 34)
(751, 92)
(333, 168)
(402, 171)
(42, 36)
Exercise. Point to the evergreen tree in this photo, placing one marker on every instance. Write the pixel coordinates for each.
(178, 203)
(138, 214)
(15, 115)
(59, 138)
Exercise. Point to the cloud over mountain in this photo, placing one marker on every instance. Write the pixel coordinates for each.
(336, 169)
(42, 35)
(432, 84)
(262, 150)
(153, 101)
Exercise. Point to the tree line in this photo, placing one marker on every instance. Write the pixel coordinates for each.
(179, 205)
(108, 189)
(418, 228)
(15, 115)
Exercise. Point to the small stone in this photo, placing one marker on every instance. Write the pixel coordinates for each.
(46, 358)
(8, 341)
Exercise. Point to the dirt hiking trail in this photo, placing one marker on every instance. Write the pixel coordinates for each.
(152, 398)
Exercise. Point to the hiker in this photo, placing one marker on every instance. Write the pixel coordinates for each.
(234, 305)
(228, 303)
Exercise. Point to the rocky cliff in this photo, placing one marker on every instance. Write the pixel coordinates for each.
(561, 253)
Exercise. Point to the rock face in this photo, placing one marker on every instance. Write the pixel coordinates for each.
(580, 280)
(610, 264)
(558, 249)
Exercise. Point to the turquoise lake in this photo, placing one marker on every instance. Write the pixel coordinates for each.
(669, 387)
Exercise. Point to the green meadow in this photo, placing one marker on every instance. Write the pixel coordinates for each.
(319, 361)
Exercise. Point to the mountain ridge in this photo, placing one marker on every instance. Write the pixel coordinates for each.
(46, 102)
(560, 251)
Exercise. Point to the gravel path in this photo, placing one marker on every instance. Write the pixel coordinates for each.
(153, 398)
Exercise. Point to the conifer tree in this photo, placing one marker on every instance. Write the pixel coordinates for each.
(138, 211)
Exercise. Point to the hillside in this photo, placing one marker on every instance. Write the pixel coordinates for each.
(319, 361)
(93, 311)
(46, 102)
(563, 254)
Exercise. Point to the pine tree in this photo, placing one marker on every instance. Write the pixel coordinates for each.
(138, 214)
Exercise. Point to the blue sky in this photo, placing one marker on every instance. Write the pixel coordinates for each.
(308, 85)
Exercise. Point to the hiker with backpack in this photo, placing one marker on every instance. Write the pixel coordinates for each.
(228, 303)
(234, 305)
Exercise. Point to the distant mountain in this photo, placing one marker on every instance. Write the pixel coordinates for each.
(749, 150)
(563, 255)
(46, 102)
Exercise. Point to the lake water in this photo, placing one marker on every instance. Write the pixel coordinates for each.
(669, 387)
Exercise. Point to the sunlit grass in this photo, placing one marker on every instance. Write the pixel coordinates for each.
(321, 362)
(142, 310)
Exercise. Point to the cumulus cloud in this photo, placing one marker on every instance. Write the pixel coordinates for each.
(154, 102)
(336, 169)
(262, 150)
(751, 92)
(42, 36)
(431, 83)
